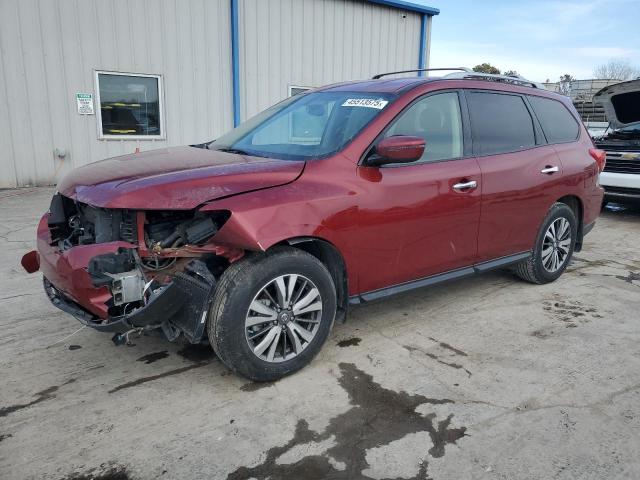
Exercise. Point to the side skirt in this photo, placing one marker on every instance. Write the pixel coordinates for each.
(439, 278)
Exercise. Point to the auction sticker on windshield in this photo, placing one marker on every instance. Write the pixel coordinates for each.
(365, 102)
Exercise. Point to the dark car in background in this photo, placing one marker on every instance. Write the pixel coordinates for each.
(342, 195)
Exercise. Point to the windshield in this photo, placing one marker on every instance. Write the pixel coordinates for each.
(303, 127)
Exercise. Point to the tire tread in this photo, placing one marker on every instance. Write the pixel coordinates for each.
(241, 273)
(526, 269)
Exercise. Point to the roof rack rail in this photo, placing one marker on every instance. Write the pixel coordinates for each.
(514, 80)
(461, 69)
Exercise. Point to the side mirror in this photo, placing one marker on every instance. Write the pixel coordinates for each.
(397, 149)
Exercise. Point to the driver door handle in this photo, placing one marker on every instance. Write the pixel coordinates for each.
(465, 186)
(549, 169)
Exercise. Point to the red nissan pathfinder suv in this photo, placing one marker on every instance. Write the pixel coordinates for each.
(260, 239)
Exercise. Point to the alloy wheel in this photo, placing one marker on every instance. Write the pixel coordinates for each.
(556, 245)
(283, 318)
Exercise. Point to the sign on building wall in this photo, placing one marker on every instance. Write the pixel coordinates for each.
(85, 103)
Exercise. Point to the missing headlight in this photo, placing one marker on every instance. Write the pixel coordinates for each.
(175, 229)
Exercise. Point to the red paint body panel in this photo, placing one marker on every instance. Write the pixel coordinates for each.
(581, 175)
(173, 178)
(515, 199)
(316, 205)
(68, 270)
(517, 196)
(390, 224)
(412, 224)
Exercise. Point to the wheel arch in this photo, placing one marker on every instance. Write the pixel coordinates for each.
(575, 204)
(331, 258)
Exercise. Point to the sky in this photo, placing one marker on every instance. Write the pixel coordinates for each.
(539, 39)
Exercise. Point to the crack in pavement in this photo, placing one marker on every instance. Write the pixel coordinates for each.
(140, 381)
(516, 411)
(449, 347)
(432, 356)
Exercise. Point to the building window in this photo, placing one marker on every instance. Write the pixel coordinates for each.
(130, 106)
(297, 90)
(303, 129)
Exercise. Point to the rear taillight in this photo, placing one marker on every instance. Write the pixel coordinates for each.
(600, 156)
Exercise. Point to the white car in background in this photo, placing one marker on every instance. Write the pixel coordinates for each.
(621, 175)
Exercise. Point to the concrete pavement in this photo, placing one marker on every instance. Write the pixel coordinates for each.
(485, 378)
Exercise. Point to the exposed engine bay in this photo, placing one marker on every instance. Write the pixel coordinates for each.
(73, 223)
(161, 275)
(627, 137)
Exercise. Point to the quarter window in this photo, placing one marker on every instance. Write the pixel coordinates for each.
(558, 124)
(130, 105)
(437, 119)
(500, 123)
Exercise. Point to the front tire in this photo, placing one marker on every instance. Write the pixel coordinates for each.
(553, 248)
(272, 313)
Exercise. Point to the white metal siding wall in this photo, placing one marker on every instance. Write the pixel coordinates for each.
(317, 42)
(50, 49)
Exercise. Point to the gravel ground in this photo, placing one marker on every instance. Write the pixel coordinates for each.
(488, 377)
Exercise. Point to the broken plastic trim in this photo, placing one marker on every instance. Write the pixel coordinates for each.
(183, 304)
(31, 261)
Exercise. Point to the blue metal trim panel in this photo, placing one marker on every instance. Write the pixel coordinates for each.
(413, 6)
(235, 62)
(422, 52)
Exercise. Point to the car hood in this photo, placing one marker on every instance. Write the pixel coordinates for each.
(174, 178)
(621, 103)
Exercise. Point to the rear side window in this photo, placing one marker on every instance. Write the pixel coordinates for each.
(500, 123)
(558, 124)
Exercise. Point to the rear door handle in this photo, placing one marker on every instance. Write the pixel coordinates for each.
(465, 186)
(549, 169)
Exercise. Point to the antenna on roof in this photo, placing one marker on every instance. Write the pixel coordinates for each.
(380, 75)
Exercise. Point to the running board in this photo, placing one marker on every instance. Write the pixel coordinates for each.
(439, 278)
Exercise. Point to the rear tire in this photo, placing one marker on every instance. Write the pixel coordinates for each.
(553, 248)
(266, 296)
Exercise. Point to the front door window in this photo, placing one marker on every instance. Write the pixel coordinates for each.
(437, 119)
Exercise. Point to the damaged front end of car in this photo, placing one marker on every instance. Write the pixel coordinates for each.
(125, 271)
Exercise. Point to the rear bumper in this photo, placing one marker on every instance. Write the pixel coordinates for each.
(619, 180)
(621, 193)
(620, 187)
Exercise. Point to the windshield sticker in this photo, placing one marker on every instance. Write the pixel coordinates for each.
(365, 102)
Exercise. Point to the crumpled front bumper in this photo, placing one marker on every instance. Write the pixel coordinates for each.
(159, 308)
(182, 304)
(67, 270)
